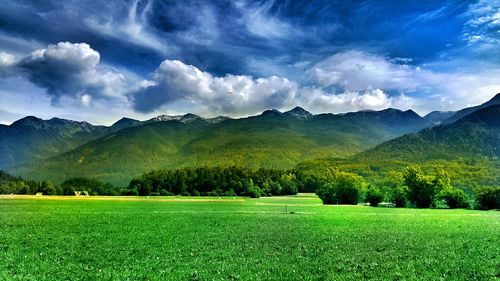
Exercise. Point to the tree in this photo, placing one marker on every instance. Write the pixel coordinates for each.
(252, 190)
(454, 198)
(288, 182)
(441, 179)
(488, 198)
(374, 196)
(340, 188)
(398, 196)
(421, 191)
(48, 188)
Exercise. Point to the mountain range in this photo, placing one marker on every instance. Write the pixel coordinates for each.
(58, 149)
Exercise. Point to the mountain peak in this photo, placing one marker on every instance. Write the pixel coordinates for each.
(299, 113)
(271, 112)
(125, 122)
(411, 112)
(466, 111)
(189, 117)
(217, 119)
(28, 121)
(495, 99)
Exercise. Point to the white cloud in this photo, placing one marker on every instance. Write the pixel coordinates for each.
(356, 70)
(6, 59)
(483, 25)
(448, 87)
(260, 22)
(320, 101)
(72, 71)
(6, 62)
(205, 30)
(133, 29)
(175, 81)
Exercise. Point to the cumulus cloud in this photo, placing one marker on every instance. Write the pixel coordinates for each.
(70, 70)
(356, 70)
(175, 81)
(376, 99)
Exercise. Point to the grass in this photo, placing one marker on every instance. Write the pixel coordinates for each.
(170, 238)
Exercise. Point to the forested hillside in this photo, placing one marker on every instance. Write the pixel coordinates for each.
(270, 140)
(469, 149)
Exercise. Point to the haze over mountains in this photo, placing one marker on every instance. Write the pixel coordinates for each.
(58, 149)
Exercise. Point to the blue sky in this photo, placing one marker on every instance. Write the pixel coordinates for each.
(100, 60)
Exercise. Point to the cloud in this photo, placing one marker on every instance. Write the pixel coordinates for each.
(133, 28)
(443, 85)
(320, 101)
(70, 70)
(483, 25)
(175, 81)
(6, 62)
(357, 70)
(260, 22)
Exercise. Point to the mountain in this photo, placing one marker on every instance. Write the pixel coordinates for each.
(299, 113)
(187, 118)
(468, 149)
(272, 139)
(466, 111)
(437, 117)
(31, 138)
(124, 123)
(475, 135)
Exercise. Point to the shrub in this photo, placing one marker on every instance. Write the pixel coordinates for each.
(454, 198)
(251, 189)
(398, 196)
(488, 198)
(165, 192)
(374, 196)
(130, 192)
(253, 192)
(185, 193)
(340, 188)
(230, 192)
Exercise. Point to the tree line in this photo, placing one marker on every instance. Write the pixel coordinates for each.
(223, 181)
(411, 188)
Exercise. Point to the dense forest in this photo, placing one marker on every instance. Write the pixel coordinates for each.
(229, 181)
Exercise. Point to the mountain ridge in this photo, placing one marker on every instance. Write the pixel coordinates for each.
(271, 139)
(468, 110)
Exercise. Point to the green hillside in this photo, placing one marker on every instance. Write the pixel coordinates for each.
(270, 140)
(31, 139)
(469, 149)
(475, 136)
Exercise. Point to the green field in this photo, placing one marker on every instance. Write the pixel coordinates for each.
(199, 238)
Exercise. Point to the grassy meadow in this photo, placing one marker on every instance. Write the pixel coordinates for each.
(236, 238)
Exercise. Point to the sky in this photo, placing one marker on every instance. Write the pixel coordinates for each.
(101, 60)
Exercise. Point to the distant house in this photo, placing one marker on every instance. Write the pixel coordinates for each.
(39, 194)
(81, 193)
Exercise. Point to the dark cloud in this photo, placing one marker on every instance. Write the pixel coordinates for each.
(72, 70)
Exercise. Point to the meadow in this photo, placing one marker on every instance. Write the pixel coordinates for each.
(237, 238)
